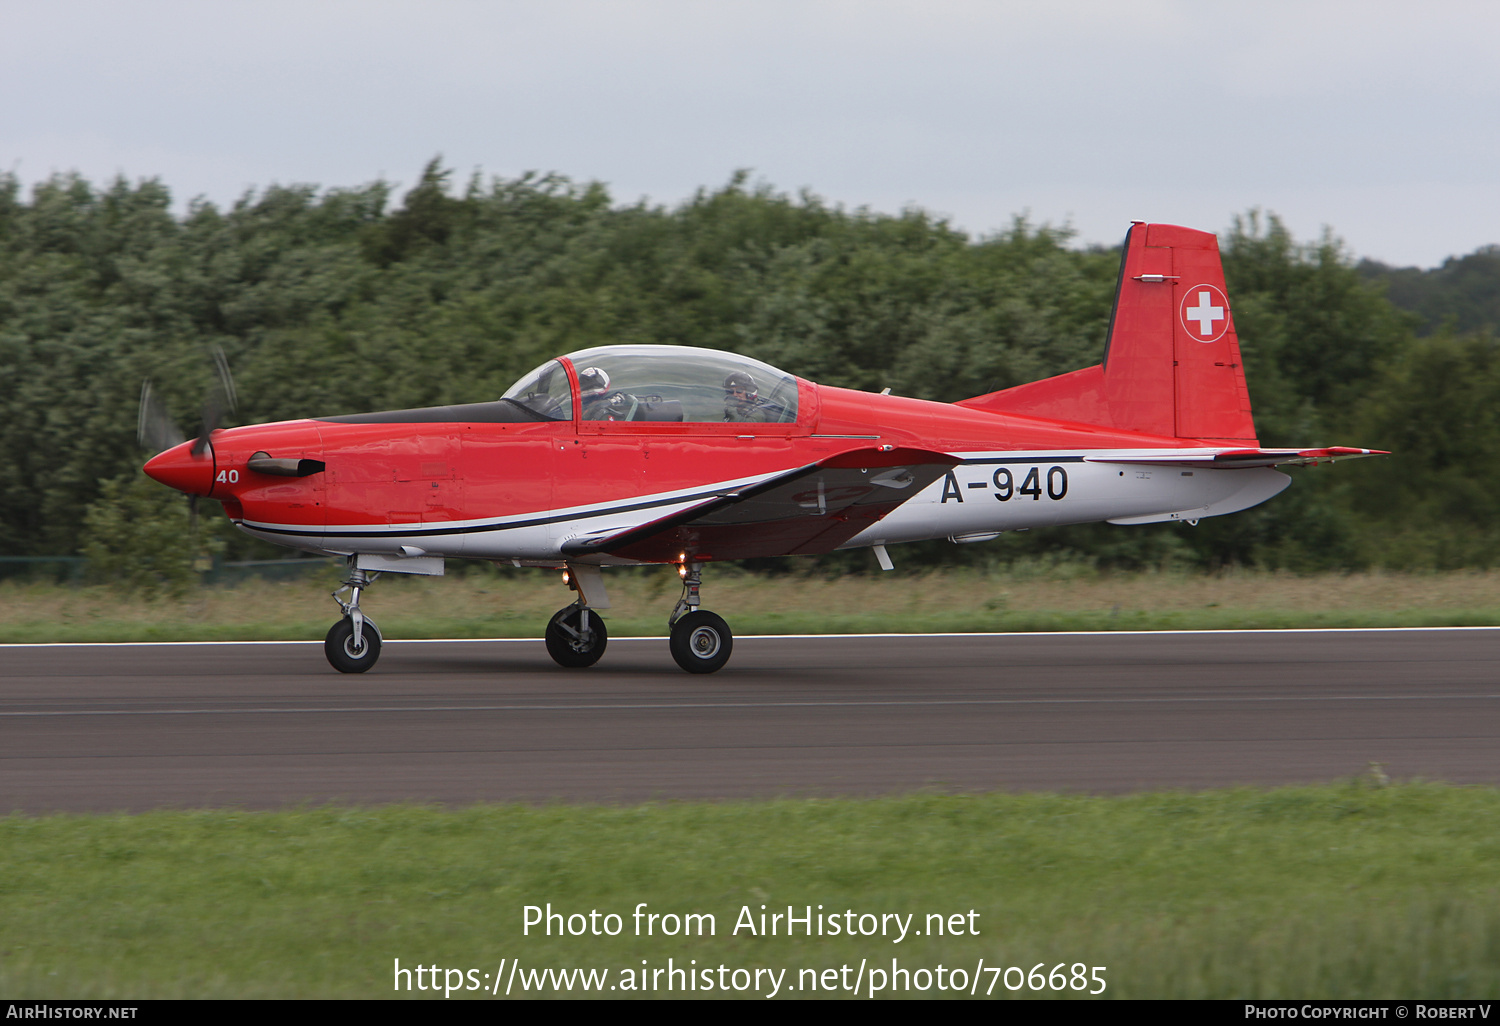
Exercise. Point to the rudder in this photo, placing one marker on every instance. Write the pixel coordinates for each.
(1172, 362)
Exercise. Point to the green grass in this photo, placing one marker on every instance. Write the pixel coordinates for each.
(1341, 891)
(1023, 598)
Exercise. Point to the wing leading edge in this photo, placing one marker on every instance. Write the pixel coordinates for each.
(810, 510)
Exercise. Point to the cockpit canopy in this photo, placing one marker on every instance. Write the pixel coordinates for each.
(661, 383)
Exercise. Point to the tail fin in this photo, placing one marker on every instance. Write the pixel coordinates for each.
(1172, 362)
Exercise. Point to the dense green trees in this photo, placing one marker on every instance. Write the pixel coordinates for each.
(341, 300)
(1461, 295)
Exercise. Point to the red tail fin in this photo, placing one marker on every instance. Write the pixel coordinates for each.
(1172, 363)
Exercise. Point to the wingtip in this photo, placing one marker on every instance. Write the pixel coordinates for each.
(1333, 453)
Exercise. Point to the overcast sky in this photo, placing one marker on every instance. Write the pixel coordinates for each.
(1379, 120)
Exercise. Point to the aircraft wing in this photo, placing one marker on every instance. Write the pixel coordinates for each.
(809, 510)
(1227, 459)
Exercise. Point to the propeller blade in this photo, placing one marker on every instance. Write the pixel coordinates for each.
(193, 529)
(211, 413)
(226, 379)
(155, 428)
(221, 401)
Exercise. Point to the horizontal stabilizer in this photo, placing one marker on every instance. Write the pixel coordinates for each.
(1231, 459)
(806, 511)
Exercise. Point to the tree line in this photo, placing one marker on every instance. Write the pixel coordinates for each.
(341, 300)
(1462, 295)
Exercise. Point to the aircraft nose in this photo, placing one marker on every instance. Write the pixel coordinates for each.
(179, 468)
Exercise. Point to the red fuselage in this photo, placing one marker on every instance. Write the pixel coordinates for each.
(397, 475)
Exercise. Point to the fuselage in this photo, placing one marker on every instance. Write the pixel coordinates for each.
(476, 482)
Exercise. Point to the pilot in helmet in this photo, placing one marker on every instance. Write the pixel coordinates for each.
(592, 381)
(741, 400)
(598, 403)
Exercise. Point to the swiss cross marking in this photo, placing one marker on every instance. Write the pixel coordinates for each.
(1205, 313)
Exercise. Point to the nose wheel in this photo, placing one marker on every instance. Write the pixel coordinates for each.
(348, 654)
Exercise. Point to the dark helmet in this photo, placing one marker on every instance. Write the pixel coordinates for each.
(739, 381)
(593, 381)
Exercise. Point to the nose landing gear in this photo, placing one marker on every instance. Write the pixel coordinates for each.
(353, 644)
(700, 641)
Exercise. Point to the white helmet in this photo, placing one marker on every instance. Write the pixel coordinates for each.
(593, 381)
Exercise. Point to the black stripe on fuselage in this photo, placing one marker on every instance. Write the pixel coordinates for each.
(501, 411)
(1021, 459)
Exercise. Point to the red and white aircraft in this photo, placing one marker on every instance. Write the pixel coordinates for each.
(623, 455)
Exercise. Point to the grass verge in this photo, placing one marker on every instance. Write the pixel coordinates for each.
(495, 604)
(1341, 891)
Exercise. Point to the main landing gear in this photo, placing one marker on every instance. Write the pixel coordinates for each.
(353, 644)
(700, 641)
(576, 636)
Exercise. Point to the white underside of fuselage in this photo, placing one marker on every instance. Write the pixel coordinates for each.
(988, 493)
(997, 492)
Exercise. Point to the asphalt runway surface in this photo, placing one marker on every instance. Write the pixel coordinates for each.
(107, 728)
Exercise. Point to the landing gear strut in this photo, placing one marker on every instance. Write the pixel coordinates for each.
(576, 634)
(700, 641)
(353, 644)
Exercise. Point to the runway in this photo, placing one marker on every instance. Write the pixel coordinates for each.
(107, 728)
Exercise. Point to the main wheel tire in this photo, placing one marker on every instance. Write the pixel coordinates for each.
(568, 645)
(701, 642)
(340, 650)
